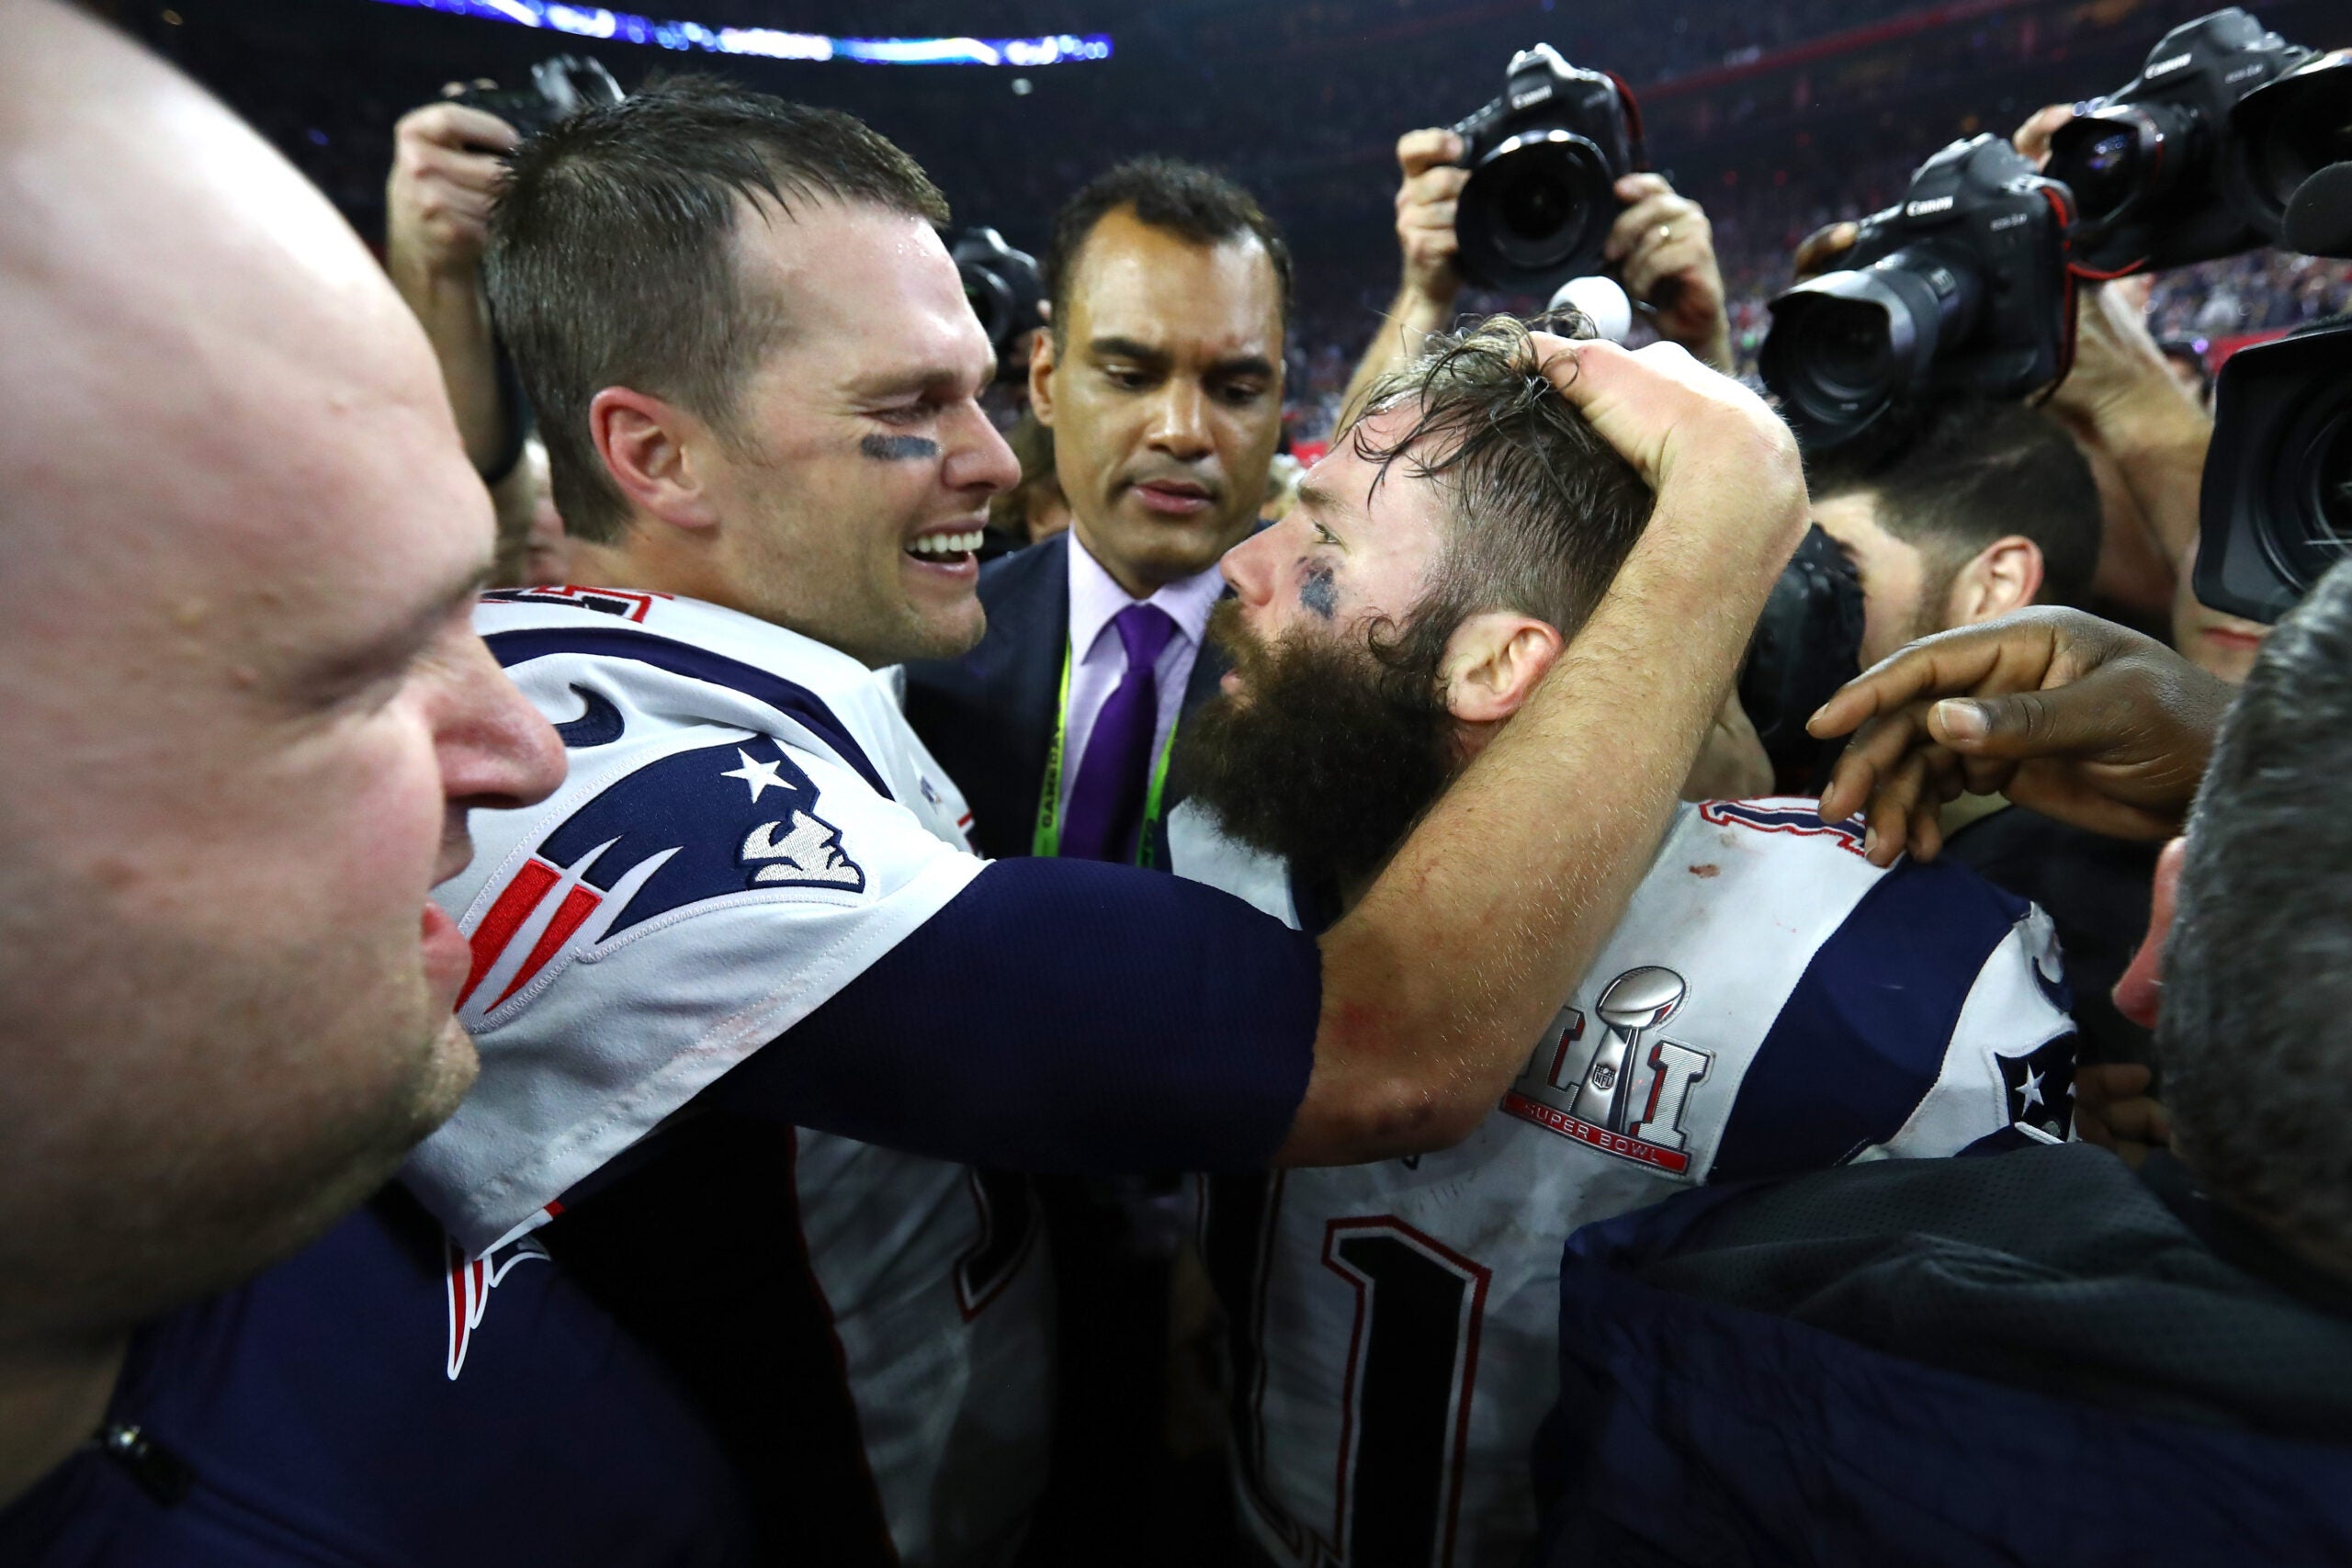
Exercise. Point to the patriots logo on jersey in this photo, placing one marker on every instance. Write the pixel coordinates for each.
(1618, 1095)
(710, 823)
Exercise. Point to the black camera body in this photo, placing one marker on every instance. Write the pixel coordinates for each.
(1962, 285)
(1807, 643)
(1005, 290)
(2276, 510)
(560, 87)
(1542, 159)
(2158, 177)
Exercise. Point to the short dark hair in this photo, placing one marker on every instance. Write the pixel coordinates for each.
(1543, 510)
(1963, 471)
(610, 260)
(1184, 199)
(2256, 1030)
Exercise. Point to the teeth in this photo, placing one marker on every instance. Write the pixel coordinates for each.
(944, 544)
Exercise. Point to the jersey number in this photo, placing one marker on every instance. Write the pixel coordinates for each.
(1008, 1227)
(1412, 1363)
(1411, 1360)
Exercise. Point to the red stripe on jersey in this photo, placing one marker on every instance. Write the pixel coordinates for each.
(577, 905)
(507, 917)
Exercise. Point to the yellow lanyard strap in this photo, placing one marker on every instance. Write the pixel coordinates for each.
(1046, 841)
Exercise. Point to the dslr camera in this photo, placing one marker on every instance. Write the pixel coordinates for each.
(2276, 510)
(2161, 178)
(1962, 286)
(560, 87)
(1543, 158)
(1005, 290)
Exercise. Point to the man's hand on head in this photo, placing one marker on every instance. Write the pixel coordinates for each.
(1426, 198)
(2066, 714)
(1665, 248)
(1722, 465)
(446, 169)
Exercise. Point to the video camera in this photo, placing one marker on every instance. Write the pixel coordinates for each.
(1005, 289)
(2276, 512)
(560, 87)
(2162, 172)
(1544, 159)
(1962, 285)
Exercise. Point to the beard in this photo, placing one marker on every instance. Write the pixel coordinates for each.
(1326, 757)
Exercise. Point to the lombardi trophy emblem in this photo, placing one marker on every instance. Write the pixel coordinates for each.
(1635, 1002)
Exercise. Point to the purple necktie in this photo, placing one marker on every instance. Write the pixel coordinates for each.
(1106, 798)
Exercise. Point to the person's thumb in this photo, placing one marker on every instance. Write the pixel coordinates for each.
(2027, 724)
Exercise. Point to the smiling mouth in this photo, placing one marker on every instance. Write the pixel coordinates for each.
(945, 549)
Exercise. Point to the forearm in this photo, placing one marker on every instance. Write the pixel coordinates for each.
(1438, 984)
(1412, 318)
(455, 318)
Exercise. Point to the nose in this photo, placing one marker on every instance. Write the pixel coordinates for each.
(495, 749)
(1180, 425)
(1249, 568)
(983, 464)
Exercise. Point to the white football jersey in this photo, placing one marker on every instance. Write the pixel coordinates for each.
(748, 825)
(1770, 1002)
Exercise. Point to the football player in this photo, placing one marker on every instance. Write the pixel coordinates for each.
(1770, 1001)
(749, 1026)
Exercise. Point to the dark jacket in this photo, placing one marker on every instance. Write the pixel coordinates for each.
(2035, 1357)
(374, 1402)
(989, 716)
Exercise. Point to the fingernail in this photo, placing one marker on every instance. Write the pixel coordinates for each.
(1817, 713)
(1961, 721)
(1870, 841)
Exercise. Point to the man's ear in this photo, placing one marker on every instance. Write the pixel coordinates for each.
(2137, 994)
(1041, 377)
(1493, 662)
(653, 450)
(2004, 576)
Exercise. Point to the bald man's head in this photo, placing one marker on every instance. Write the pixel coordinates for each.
(242, 708)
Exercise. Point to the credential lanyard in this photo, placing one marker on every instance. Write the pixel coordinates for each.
(1047, 840)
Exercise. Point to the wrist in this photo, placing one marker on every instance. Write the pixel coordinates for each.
(2152, 421)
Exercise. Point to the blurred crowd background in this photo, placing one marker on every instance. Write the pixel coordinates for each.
(1778, 115)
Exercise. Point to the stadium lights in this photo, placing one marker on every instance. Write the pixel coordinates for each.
(770, 43)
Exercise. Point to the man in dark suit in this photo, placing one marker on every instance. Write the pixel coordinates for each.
(1161, 381)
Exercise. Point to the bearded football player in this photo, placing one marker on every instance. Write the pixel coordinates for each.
(1770, 1002)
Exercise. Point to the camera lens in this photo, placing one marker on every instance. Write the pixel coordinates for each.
(1534, 207)
(1535, 211)
(1847, 347)
(2290, 131)
(2110, 160)
(2107, 173)
(2330, 493)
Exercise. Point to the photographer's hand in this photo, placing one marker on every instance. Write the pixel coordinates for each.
(1426, 196)
(2121, 399)
(444, 174)
(1665, 247)
(2063, 713)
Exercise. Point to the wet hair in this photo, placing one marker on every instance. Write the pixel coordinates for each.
(1542, 512)
(1184, 199)
(611, 260)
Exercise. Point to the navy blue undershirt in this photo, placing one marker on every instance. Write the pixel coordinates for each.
(1061, 1015)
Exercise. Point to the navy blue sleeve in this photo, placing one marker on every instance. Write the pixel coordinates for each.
(1061, 1015)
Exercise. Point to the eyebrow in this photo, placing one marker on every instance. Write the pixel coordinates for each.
(1143, 353)
(929, 379)
(399, 643)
